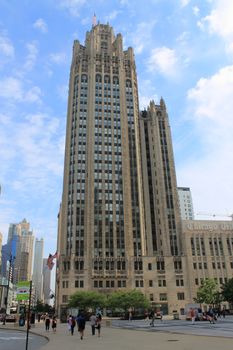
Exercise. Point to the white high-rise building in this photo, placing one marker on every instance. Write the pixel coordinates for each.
(38, 269)
(186, 203)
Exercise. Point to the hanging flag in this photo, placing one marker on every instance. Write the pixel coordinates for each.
(50, 259)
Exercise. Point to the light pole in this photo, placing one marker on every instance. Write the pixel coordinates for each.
(8, 287)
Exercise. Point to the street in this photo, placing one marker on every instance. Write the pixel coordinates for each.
(9, 339)
(222, 327)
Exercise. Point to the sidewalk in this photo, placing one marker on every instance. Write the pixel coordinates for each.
(115, 339)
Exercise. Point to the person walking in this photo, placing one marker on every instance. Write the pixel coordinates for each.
(130, 316)
(81, 325)
(73, 324)
(152, 317)
(54, 324)
(98, 323)
(93, 323)
(69, 321)
(192, 314)
(47, 323)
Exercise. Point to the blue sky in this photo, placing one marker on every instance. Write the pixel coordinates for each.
(183, 51)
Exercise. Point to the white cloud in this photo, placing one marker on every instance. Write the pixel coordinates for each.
(124, 2)
(112, 15)
(210, 175)
(6, 47)
(32, 55)
(164, 61)
(62, 92)
(58, 58)
(33, 95)
(41, 25)
(146, 93)
(212, 97)
(13, 89)
(219, 21)
(184, 3)
(196, 10)
(5, 119)
(73, 6)
(141, 36)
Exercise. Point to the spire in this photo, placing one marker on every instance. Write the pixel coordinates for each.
(162, 103)
(94, 20)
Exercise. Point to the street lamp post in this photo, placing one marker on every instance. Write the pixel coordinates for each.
(8, 287)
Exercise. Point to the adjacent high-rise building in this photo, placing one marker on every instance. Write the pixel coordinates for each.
(19, 250)
(186, 203)
(0, 253)
(37, 277)
(119, 224)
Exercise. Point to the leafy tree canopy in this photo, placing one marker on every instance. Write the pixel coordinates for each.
(227, 291)
(207, 292)
(40, 307)
(87, 300)
(128, 299)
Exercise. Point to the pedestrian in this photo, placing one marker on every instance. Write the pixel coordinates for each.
(69, 322)
(211, 315)
(73, 324)
(93, 323)
(47, 322)
(161, 315)
(54, 324)
(223, 313)
(81, 325)
(146, 316)
(192, 314)
(130, 316)
(98, 323)
(152, 317)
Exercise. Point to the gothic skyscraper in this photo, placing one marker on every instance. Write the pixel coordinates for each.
(101, 231)
(119, 220)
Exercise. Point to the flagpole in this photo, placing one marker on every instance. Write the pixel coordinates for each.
(29, 312)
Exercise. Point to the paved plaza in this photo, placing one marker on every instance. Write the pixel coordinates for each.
(138, 335)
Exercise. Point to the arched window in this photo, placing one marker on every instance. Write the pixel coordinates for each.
(128, 83)
(159, 114)
(107, 79)
(115, 80)
(98, 78)
(84, 78)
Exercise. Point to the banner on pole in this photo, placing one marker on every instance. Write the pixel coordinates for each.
(23, 290)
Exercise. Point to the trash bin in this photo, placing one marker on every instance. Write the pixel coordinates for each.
(175, 316)
(21, 322)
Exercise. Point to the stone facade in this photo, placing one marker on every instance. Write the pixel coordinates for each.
(119, 224)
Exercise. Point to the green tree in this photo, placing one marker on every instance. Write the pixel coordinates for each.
(127, 299)
(40, 307)
(207, 292)
(87, 300)
(227, 291)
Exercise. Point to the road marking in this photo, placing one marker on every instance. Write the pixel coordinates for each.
(12, 338)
